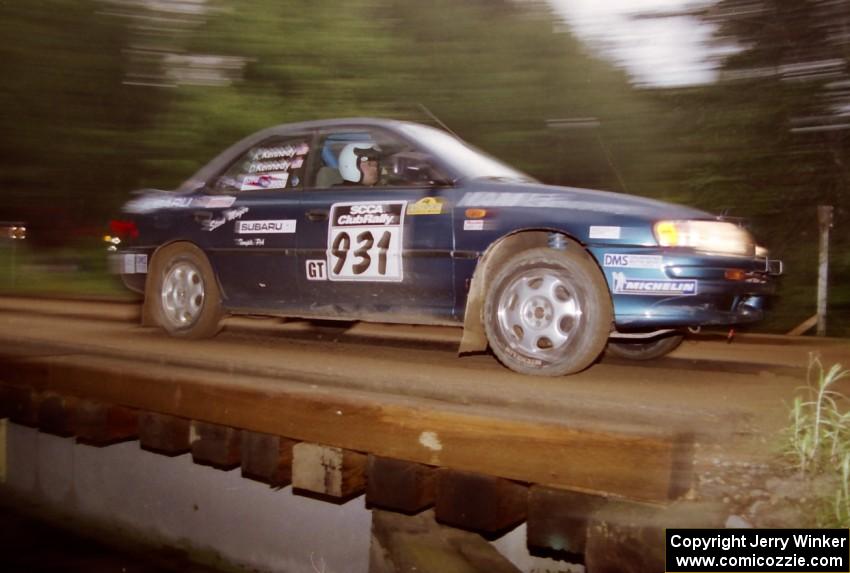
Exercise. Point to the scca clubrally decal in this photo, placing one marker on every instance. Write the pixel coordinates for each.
(365, 241)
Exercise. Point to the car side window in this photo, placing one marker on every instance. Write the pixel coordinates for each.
(275, 163)
(367, 158)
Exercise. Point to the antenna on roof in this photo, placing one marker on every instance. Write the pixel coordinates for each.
(437, 119)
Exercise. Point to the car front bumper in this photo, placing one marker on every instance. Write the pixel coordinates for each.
(652, 288)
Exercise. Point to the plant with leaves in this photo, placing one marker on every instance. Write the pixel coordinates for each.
(820, 429)
(819, 441)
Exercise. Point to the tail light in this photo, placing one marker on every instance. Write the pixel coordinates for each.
(120, 231)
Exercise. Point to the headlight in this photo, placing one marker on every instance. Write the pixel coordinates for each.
(719, 237)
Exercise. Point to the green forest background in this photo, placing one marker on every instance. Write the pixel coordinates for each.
(100, 97)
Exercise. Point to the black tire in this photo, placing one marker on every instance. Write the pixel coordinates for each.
(182, 295)
(548, 312)
(644, 349)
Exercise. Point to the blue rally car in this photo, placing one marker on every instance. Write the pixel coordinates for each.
(389, 221)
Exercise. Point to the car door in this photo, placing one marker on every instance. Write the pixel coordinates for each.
(378, 252)
(253, 241)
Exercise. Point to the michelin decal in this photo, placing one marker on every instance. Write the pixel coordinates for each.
(625, 285)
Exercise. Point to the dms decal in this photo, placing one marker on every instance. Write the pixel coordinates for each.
(258, 227)
(365, 241)
(632, 261)
(225, 216)
(264, 181)
(625, 285)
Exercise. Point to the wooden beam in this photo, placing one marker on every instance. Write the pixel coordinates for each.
(215, 445)
(98, 424)
(6, 392)
(267, 458)
(479, 502)
(164, 434)
(625, 537)
(56, 414)
(20, 404)
(558, 520)
(398, 485)
(419, 543)
(804, 326)
(328, 471)
(532, 450)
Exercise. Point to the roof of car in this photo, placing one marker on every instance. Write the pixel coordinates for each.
(321, 123)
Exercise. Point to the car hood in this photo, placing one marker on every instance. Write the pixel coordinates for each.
(487, 193)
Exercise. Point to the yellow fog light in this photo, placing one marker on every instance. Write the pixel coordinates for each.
(667, 233)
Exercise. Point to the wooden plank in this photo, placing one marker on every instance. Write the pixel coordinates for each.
(215, 445)
(532, 450)
(328, 471)
(479, 502)
(6, 392)
(267, 458)
(558, 520)
(4, 425)
(164, 434)
(20, 404)
(402, 543)
(398, 485)
(804, 326)
(56, 414)
(98, 424)
(625, 537)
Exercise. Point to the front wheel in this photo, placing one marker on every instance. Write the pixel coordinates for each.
(548, 312)
(183, 295)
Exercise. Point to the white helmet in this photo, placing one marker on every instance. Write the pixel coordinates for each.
(349, 160)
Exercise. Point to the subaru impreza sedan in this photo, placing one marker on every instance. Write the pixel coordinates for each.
(391, 221)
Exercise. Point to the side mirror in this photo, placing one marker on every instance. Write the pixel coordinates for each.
(222, 184)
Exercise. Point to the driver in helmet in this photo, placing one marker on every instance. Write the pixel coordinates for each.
(358, 164)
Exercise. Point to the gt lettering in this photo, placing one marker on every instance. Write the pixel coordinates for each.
(316, 270)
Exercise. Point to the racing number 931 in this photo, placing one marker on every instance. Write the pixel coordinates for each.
(365, 241)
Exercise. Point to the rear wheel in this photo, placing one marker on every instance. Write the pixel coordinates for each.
(644, 349)
(548, 312)
(184, 297)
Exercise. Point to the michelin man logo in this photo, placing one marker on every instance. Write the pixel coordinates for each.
(620, 282)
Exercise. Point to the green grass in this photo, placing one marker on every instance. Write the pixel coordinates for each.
(818, 441)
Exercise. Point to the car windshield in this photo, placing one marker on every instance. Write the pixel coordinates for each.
(463, 158)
